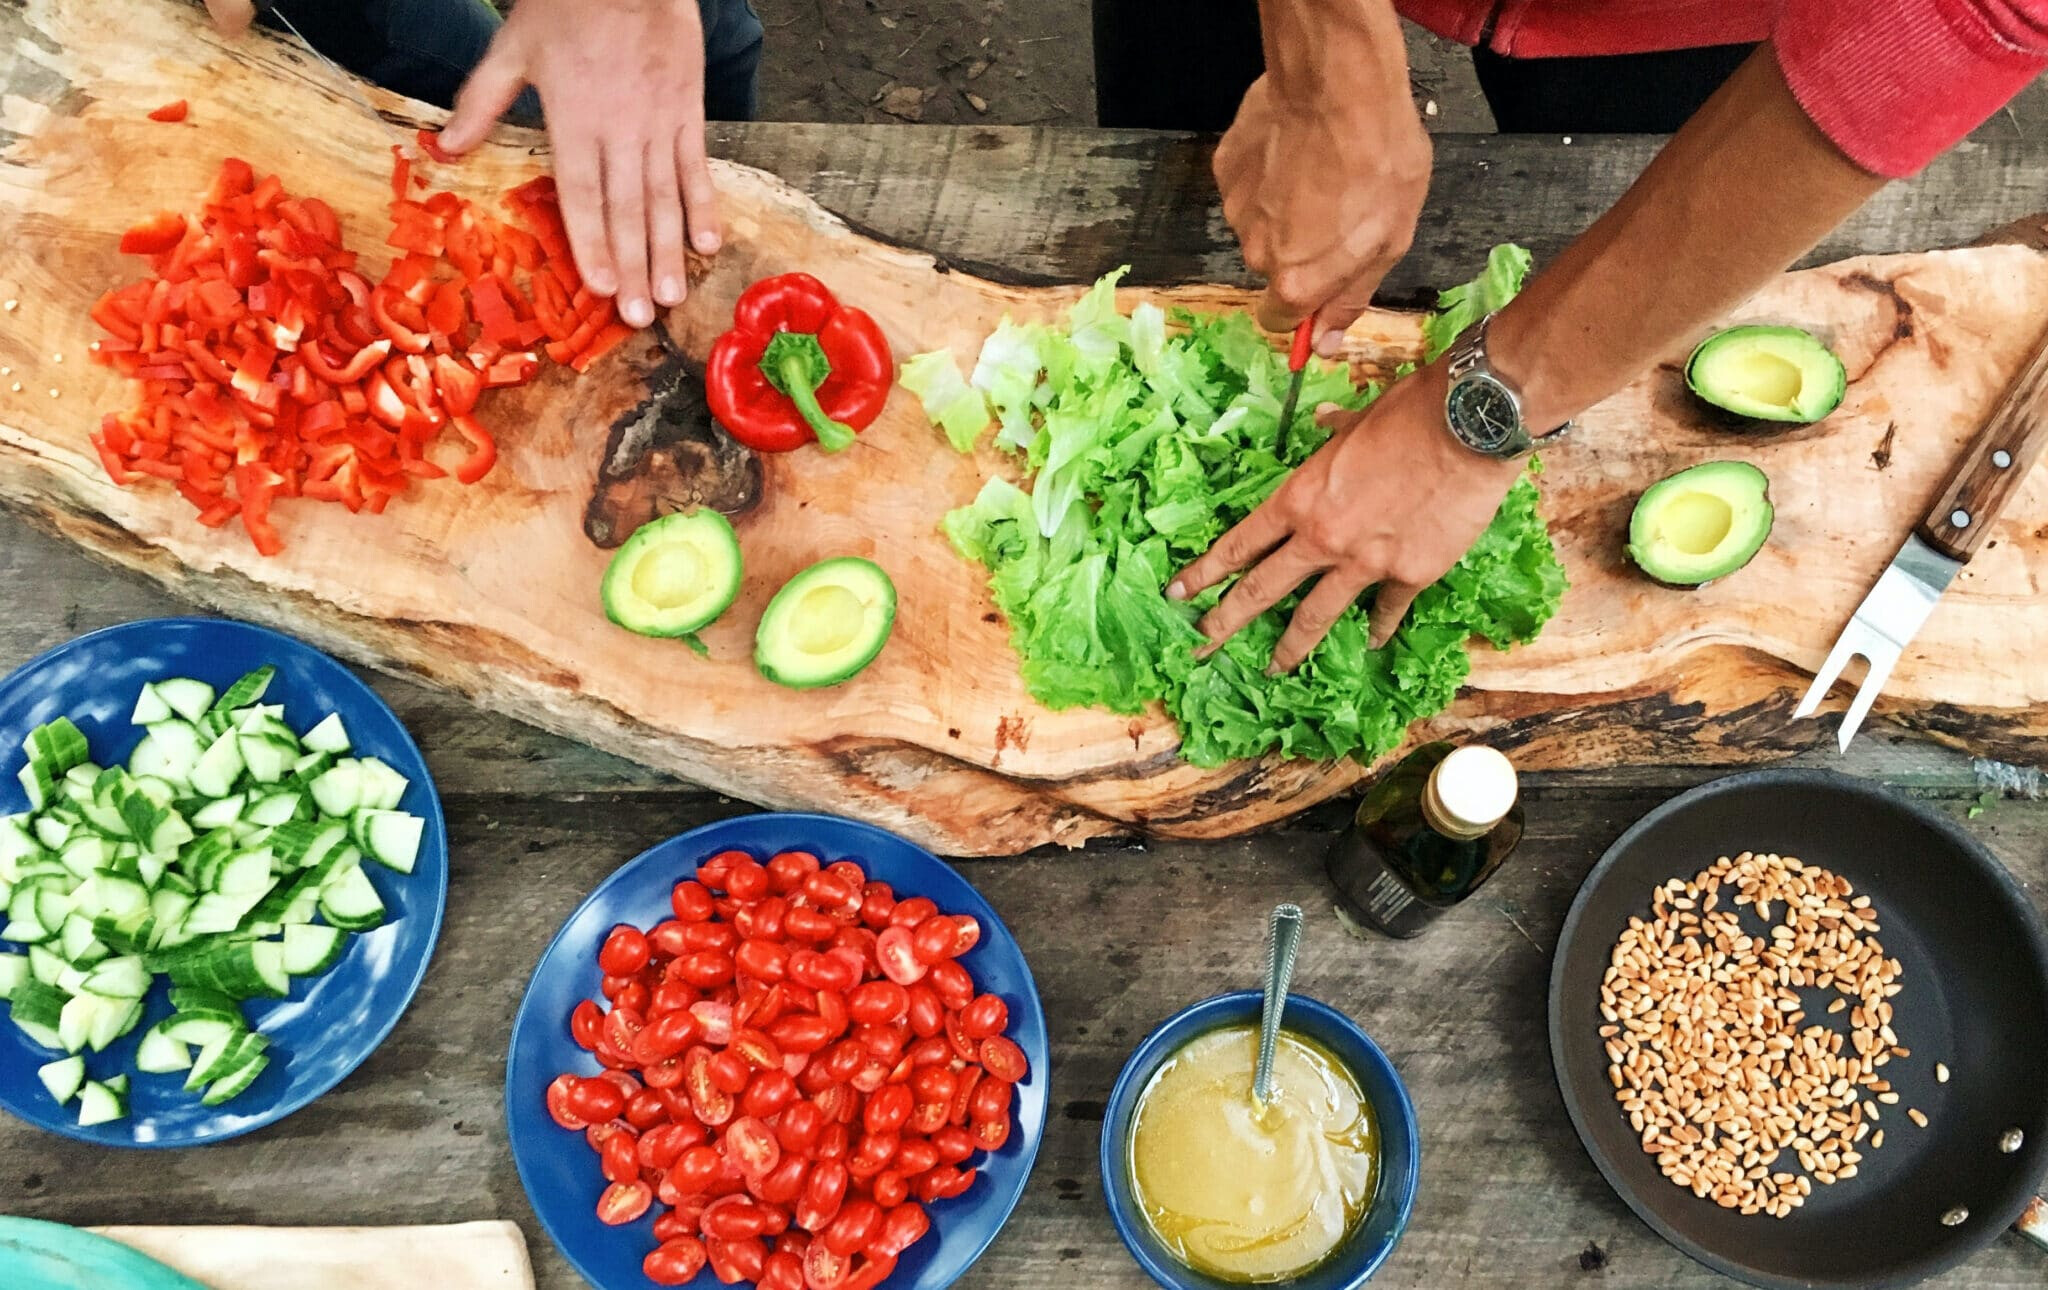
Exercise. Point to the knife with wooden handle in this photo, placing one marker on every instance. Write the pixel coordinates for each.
(1977, 491)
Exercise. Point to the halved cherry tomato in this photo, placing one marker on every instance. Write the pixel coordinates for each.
(987, 1015)
(750, 1144)
(735, 1261)
(902, 1227)
(953, 1144)
(676, 1261)
(824, 1268)
(621, 1024)
(888, 1109)
(695, 1169)
(619, 1159)
(900, 962)
(878, 1003)
(944, 1183)
(963, 1093)
(857, 1222)
(823, 1195)
(1002, 1058)
(911, 912)
(787, 871)
(769, 1093)
(560, 1107)
(691, 901)
(665, 1036)
(596, 1100)
(784, 1183)
(586, 1022)
(990, 1135)
(624, 1202)
(870, 1274)
(952, 984)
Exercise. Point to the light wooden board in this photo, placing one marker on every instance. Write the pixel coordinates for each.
(490, 591)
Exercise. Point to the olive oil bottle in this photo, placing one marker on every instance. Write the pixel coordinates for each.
(1429, 833)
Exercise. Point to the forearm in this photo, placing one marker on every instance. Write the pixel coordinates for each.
(1331, 52)
(1746, 188)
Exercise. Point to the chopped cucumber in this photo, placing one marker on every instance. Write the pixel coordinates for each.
(310, 950)
(351, 902)
(328, 736)
(98, 1104)
(159, 1054)
(13, 971)
(206, 858)
(188, 698)
(248, 690)
(391, 837)
(63, 1077)
(235, 1083)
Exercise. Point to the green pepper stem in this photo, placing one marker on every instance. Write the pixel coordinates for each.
(798, 383)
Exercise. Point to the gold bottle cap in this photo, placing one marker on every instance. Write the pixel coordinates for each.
(1469, 792)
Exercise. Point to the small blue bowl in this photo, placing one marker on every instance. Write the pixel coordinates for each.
(331, 1022)
(559, 1170)
(1394, 1197)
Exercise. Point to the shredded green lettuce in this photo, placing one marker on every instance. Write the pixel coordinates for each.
(1145, 444)
(1463, 305)
(952, 404)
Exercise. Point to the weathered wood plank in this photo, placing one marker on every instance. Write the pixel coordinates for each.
(1039, 204)
(1117, 939)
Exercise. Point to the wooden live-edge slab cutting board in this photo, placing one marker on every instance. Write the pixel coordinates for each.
(492, 591)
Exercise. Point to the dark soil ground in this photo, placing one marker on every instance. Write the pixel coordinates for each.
(1027, 62)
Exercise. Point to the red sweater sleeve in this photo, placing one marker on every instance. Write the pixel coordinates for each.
(1895, 82)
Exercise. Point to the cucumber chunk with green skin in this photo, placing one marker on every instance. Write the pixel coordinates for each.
(351, 903)
(13, 971)
(674, 575)
(328, 736)
(1769, 373)
(383, 787)
(340, 791)
(392, 838)
(150, 707)
(218, 767)
(248, 690)
(188, 698)
(826, 623)
(63, 1077)
(159, 1054)
(1701, 523)
(75, 1021)
(98, 1104)
(114, 1021)
(123, 977)
(203, 1029)
(56, 745)
(266, 760)
(235, 1083)
(310, 950)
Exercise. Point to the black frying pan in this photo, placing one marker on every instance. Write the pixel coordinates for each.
(1976, 997)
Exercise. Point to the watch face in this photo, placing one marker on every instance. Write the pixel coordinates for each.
(1483, 413)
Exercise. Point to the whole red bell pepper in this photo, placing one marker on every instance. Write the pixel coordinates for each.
(796, 366)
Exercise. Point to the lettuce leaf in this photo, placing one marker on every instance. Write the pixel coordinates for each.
(949, 401)
(1145, 442)
(1461, 306)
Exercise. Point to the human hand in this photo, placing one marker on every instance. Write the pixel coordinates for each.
(1392, 499)
(1324, 188)
(622, 84)
(231, 17)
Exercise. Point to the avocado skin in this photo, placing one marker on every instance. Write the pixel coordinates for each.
(1641, 547)
(1795, 344)
(617, 574)
(877, 629)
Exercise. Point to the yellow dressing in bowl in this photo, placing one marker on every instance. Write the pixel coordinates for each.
(1242, 1193)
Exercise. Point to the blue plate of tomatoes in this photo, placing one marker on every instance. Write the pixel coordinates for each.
(329, 1023)
(785, 1033)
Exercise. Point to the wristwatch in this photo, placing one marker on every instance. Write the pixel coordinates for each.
(1482, 408)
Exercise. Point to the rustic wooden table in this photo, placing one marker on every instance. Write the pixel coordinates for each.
(1118, 937)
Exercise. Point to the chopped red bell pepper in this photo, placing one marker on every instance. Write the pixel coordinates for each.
(155, 235)
(170, 113)
(483, 450)
(430, 143)
(797, 365)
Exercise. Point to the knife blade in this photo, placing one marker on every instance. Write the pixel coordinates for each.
(1986, 478)
(348, 82)
(1297, 363)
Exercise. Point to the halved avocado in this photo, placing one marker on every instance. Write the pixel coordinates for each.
(826, 623)
(1701, 524)
(674, 575)
(1769, 373)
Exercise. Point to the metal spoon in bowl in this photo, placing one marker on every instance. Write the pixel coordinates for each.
(1283, 937)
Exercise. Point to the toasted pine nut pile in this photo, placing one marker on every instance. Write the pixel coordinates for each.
(1708, 1056)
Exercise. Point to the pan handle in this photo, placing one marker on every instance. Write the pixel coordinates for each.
(2034, 1221)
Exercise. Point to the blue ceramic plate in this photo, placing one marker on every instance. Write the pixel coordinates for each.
(330, 1023)
(559, 1169)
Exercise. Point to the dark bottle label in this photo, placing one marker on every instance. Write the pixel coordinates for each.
(1379, 896)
